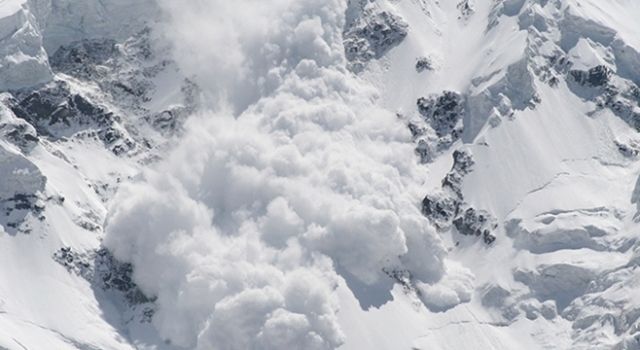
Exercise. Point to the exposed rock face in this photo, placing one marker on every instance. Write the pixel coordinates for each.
(476, 223)
(462, 165)
(609, 91)
(371, 36)
(126, 73)
(38, 27)
(448, 207)
(466, 8)
(21, 190)
(86, 98)
(629, 150)
(622, 99)
(58, 112)
(443, 113)
(440, 209)
(103, 271)
(596, 76)
(123, 77)
(15, 130)
(423, 64)
(81, 58)
(441, 123)
(23, 60)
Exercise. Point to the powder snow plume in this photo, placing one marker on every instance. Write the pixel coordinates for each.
(290, 182)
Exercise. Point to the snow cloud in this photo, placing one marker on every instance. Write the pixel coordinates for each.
(291, 175)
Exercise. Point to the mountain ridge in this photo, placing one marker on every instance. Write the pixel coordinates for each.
(319, 174)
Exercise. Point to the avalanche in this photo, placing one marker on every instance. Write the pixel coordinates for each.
(319, 174)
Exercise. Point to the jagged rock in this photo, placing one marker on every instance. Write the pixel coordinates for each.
(462, 164)
(23, 60)
(444, 114)
(476, 223)
(440, 124)
(15, 130)
(371, 36)
(103, 271)
(630, 150)
(609, 91)
(448, 207)
(22, 135)
(560, 63)
(125, 73)
(622, 103)
(466, 9)
(121, 71)
(81, 59)
(57, 112)
(20, 191)
(74, 262)
(597, 76)
(423, 64)
(440, 209)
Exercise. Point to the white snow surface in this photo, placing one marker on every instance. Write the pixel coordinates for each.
(287, 213)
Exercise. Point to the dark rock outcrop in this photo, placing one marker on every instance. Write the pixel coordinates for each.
(371, 36)
(57, 112)
(423, 64)
(476, 223)
(443, 113)
(440, 124)
(81, 58)
(598, 76)
(103, 271)
(447, 208)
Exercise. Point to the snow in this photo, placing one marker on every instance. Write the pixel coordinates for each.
(286, 213)
(23, 61)
(67, 20)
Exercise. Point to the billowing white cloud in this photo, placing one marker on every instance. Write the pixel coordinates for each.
(292, 174)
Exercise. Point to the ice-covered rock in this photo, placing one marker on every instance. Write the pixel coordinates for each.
(56, 111)
(371, 36)
(424, 64)
(15, 130)
(440, 124)
(443, 113)
(476, 223)
(68, 21)
(23, 60)
(101, 269)
(30, 30)
(596, 76)
(448, 207)
(21, 191)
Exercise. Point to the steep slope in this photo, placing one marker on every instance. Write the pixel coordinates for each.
(75, 121)
(313, 174)
(548, 111)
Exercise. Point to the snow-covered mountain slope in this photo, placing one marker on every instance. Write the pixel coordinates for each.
(319, 174)
(546, 101)
(75, 121)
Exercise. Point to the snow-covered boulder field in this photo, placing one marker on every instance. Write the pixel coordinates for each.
(319, 174)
